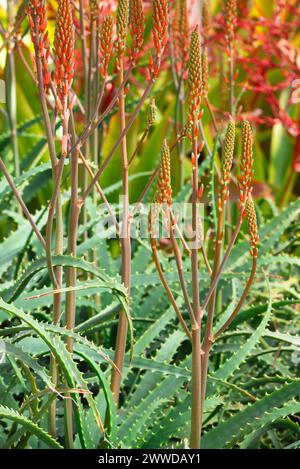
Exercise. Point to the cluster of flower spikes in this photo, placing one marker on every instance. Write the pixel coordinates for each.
(36, 11)
(230, 21)
(122, 26)
(246, 164)
(136, 26)
(105, 43)
(252, 226)
(64, 51)
(227, 159)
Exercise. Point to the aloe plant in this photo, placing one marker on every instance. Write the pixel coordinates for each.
(181, 336)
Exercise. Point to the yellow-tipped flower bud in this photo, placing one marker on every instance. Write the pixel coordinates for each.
(164, 188)
(252, 226)
(246, 162)
(152, 114)
(204, 63)
(195, 73)
(122, 25)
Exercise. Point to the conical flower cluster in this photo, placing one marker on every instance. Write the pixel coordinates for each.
(36, 11)
(205, 15)
(152, 114)
(252, 226)
(122, 25)
(164, 188)
(183, 34)
(195, 73)
(230, 20)
(246, 162)
(160, 25)
(227, 158)
(204, 63)
(136, 26)
(106, 43)
(64, 50)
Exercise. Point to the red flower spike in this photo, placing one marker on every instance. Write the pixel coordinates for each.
(160, 25)
(36, 11)
(106, 43)
(64, 48)
(164, 188)
(136, 26)
(246, 162)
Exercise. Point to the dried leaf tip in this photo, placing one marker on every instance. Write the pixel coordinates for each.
(246, 162)
(164, 188)
(252, 226)
(136, 26)
(106, 43)
(122, 25)
(195, 73)
(64, 50)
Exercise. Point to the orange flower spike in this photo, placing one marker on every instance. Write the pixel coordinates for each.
(64, 50)
(164, 188)
(246, 162)
(204, 64)
(122, 26)
(252, 226)
(160, 25)
(205, 15)
(36, 11)
(227, 157)
(230, 20)
(183, 34)
(136, 26)
(195, 75)
(106, 43)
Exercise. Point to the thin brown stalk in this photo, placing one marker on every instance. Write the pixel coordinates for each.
(178, 259)
(118, 141)
(240, 303)
(222, 264)
(100, 191)
(22, 204)
(95, 122)
(168, 291)
(138, 147)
